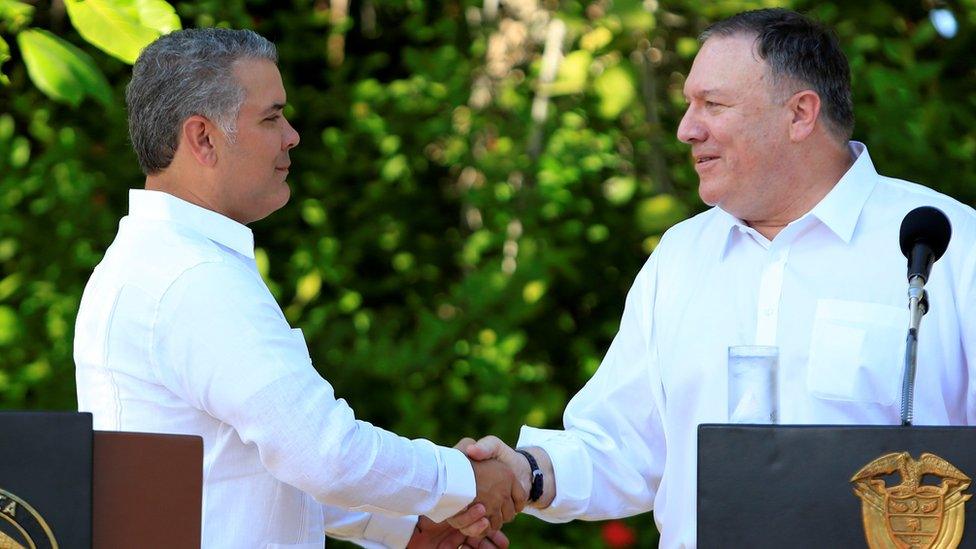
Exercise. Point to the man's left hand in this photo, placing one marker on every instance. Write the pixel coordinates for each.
(433, 535)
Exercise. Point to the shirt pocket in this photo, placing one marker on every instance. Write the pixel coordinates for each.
(857, 351)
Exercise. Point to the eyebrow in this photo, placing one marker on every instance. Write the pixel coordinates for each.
(273, 108)
(711, 92)
(706, 93)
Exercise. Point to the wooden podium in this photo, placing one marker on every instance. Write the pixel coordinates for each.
(63, 485)
(146, 490)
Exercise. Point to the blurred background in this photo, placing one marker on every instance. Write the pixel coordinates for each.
(478, 183)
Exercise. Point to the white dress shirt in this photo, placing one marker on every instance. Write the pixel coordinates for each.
(178, 333)
(829, 290)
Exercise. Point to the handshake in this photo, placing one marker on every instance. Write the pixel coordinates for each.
(503, 479)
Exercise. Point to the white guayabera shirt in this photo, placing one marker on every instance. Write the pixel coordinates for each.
(177, 333)
(829, 291)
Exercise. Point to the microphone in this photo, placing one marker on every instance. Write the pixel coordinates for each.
(924, 237)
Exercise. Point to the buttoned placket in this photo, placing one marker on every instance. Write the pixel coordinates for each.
(770, 291)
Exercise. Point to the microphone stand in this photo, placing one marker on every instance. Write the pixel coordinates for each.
(918, 305)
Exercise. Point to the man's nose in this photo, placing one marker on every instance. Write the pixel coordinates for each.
(291, 136)
(690, 129)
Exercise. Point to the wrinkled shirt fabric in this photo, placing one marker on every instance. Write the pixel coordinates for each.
(178, 333)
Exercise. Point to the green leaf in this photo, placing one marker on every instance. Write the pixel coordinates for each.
(634, 14)
(4, 57)
(596, 39)
(687, 47)
(158, 15)
(112, 26)
(350, 301)
(60, 70)
(619, 189)
(308, 287)
(533, 291)
(657, 213)
(572, 73)
(616, 90)
(9, 325)
(17, 15)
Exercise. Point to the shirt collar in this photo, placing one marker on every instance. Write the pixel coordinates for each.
(163, 206)
(842, 206)
(839, 210)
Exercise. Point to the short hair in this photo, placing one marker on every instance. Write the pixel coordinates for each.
(800, 49)
(181, 74)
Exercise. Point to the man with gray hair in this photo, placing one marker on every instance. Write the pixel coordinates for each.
(177, 332)
(800, 252)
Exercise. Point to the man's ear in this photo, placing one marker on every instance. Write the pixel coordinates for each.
(199, 136)
(805, 108)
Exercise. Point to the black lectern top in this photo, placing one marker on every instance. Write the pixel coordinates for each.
(823, 486)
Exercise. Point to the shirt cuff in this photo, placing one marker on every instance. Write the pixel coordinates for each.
(459, 485)
(572, 472)
(390, 531)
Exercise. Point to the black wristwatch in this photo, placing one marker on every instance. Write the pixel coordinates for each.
(536, 491)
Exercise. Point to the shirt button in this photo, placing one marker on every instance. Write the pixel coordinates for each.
(767, 312)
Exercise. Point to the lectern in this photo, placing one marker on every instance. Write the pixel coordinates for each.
(63, 485)
(820, 486)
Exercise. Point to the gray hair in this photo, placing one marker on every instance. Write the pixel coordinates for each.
(801, 51)
(185, 73)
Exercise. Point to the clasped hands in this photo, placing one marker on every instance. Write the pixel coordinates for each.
(502, 479)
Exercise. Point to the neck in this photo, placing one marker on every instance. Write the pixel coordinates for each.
(170, 184)
(811, 179)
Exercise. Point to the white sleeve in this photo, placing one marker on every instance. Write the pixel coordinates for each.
(370, 530)
(609, 458)
(221, 343)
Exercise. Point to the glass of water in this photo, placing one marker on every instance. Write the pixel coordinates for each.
(753, 391)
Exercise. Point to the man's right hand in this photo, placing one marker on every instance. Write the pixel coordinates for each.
(499, 491)
(492, 447)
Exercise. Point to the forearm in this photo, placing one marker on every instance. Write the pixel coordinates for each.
(548, 477)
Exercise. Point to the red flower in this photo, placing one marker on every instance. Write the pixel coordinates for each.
(618, 535)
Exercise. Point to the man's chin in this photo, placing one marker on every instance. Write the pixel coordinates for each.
(708, 195)
(281, 198)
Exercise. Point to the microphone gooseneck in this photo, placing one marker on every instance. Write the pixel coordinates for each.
(924, 237)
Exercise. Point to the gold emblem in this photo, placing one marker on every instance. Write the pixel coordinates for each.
(912, 515)
(21, 526)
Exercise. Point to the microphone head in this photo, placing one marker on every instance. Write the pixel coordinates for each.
(927, 226)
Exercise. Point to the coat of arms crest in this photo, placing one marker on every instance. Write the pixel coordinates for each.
(913, 514)
(21, 526)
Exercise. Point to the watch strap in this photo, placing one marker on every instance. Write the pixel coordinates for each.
(536, 490)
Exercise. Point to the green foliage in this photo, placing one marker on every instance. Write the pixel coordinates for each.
(4, 57)
(61, 70)
(462, 231)
(16, 14)
(121, 28)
